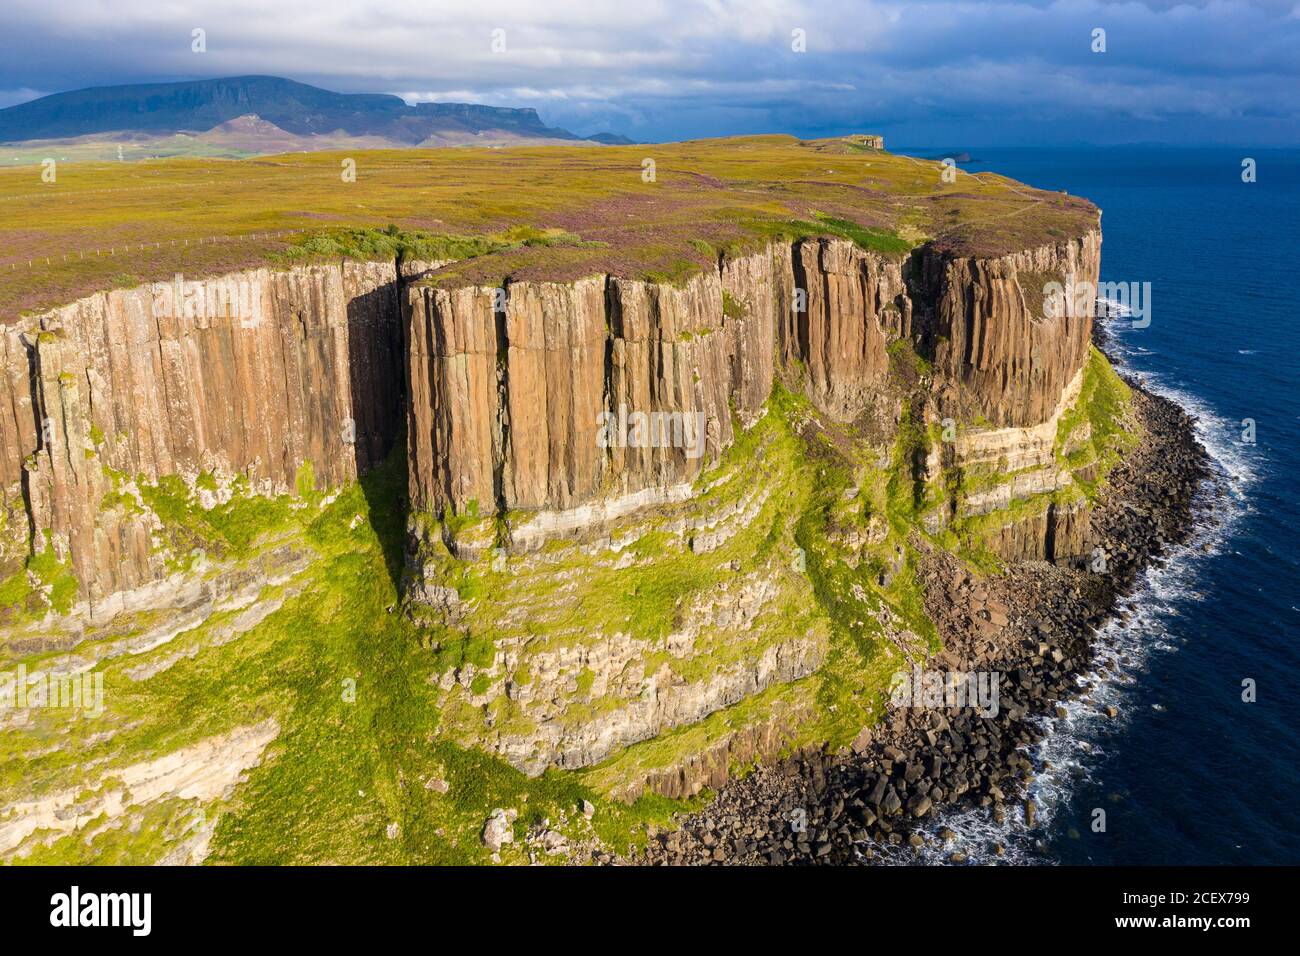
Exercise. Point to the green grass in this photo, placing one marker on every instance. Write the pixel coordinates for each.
(873, 240)
(551, 212)
(881, 241)
(392, 243)
(14, 590)
(339, 772)
(1103, 402)
(731, 308)
(55, 588)
(227, 530)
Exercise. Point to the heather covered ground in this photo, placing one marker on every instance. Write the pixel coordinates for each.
(105, 225)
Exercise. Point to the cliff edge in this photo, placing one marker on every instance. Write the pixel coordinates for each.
(638, 491)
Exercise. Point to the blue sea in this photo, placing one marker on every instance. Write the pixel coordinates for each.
(1190, 773)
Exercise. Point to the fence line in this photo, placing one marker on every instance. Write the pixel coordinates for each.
(81, 254)
(268, 179)
(44, 194)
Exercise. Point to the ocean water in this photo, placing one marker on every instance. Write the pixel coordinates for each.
(1190, 773)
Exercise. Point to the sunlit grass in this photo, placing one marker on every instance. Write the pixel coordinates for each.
(102, 225)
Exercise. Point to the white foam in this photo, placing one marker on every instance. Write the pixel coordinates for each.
(1234, 459)
(1072, 744)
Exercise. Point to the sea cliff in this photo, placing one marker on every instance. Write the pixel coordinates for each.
(642, 529)
(273, 383)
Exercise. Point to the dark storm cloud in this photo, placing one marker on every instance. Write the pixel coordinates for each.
(979, 73)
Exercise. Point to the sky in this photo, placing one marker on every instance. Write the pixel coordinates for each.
(944, 74)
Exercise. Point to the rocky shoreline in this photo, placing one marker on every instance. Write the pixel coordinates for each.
(1033, 626)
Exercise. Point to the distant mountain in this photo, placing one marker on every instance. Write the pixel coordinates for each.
(269, 113)
(612, 139)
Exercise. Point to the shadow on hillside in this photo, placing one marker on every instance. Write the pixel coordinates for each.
(377, 371)
(384, 489)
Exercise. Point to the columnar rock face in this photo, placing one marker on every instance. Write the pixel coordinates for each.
(761, 291)
(455, 398)
(510, 409)
(1056, 533)
(857, 304)
(251, 374)
(568, 400)
(580, 391)
(554, 344)
(998, 355)
(19, 437)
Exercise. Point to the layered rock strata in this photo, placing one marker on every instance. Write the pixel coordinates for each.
(1012, 464)
(559, 404)
(255, 375)
(514, 390)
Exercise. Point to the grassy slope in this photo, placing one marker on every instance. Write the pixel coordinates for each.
(1102, 405)
(707, 195)
(341, 772)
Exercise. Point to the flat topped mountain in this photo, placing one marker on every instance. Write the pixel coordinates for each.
(307, 112)
(621, 466)
(661, 211)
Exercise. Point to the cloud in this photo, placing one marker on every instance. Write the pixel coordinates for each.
(979, 73)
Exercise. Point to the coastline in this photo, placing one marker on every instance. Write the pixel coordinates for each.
(906, 785)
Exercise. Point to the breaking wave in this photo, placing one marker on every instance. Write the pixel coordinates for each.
(1144, 625)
